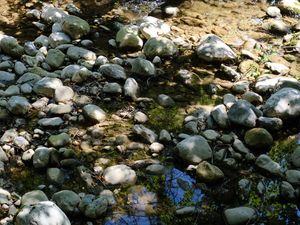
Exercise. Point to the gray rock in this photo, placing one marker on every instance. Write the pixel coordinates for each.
(51, 122)
(112, 88)
(208, 172)
(76, 53)
(241, 87)
(18, 105)
(9, 136)
(252, 97)
(75, 27)
(270, 123)
(131, 88)
(229, 100)
(21, 143)
(293, 177)
(287, 191)
(59, 140)
(212, 48)
(5, 196)
(93, 207)
(109, 196)
(33, 14)
(11, 90)
(55, 58)
(269, 84)
(93, 113)
(296, 157)
(41, 157)
(63, 94)
(33, 197)
(58, 38)
(159, 46)
(273, 11)
(29, 78)
(26, 88)
(127, 37)
(276, 26)
(258, 138)
(68, 201)
(41, 41)
(6, 77)
(46, 86)
(37, 213)
(119, 174)
(219, 114)
(101, 60)
(113, 71)
(165, 100)
(265, 163)
(290, 6)
(242, 113)
(278, 68)
(52, 14)
(55, 176)
(284, 103)
(240, 215)
(211, 135)
(3, 156)
(155, 169)
(153, 27)
(230, 73)
(164, 136)
(239, 146)
(9, 45)
(60, 109)
(142, 67)
(156, 147)
(140, 117)
(194, 149)
(145, 133)
(30, 48)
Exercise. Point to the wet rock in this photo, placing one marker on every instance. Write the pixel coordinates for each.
(28, 78)
(59, 140)
(270, 123)
(295, 157)
(55, 58)
(165, 100)
(67, 201)
(265, 163)
(258, 138)
(142, 67)
(10, 46)
(243, 113)
(18, 105)
(277, 68)
(287, 191)
(219, 114)
(112, 88)
(155, 169)
(41, 41)
(208, 172)
(46, 86)
(284, 103)
(159, 46)
(76, 53)
(211, 48)
(51, 122)
(140, 117)
(93, 207)
(75, 27)
(41, 157)
(119, 174)
(9, 136)
(240, 215)
(58, 38)
(93, 113)
(131, 88)
(194, 149)
(33, 197)
(37, 213)
(127, 37)
(113, 71)
(145, 133)
(293, 177)
(10, 91)
(52, 14)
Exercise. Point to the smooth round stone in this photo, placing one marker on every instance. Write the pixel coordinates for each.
(140, 117)
(240, 215)
(94, 113)
(33, 197)
(258, 138)
(59, 140)
(208, 172)
(67, 200)
(63, 94)
(156, 147)
(155, 169)
(165, 100)
(119, 174)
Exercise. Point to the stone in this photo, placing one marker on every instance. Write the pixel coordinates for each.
(11, 90)
(230, 73)
(51, 122)
(239, 146)
(3, 155)
(211, 135)
(75, 27)
(293, 177)
(63, 94)
(93, 207)
(287, 191)
(159, 46)
(93, 113)
(140, 117)
(18, 105)
(243, 113)
(5, 196)
(152, 27)
(33, 197)
(219, 114)
(270, 84)
(55, 58)
(131, 88)
(21, 143)
(295, 157)
(156, 147)
(41, 41)
(165, 100)
(59, 140)
(276, 26)
(9, 136)
(290, 6)
(273, 11)
(211, 48)
(6, 77)
(240, 215)
(60, 109)
(241, 87)
(55, 176)
(270, 123)
(41, 157)
(142, 67)
(284, 103)
(46, 86)
(229, 100)
(155, 169)
(58, 38)
(252, 97)
(164, 136)
(9, 45)
(112, 88)
(145, 133)
(194, 149)
(265, 163)
(76, 53)
(37, 213)
(119, 174)
(28, 78)
(68, 201)
(277, 68)
(127, 37)
(208, 172)
(258, 138)
(52, 14)
(113, 71)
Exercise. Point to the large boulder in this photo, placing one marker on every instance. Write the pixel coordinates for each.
(258, 138)
(75, 27)
(128, 37)
(41, 213)
(212, 49)
(284, 103)
(159, 46)
(194, 149)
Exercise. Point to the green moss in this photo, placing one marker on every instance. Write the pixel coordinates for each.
(282, 147)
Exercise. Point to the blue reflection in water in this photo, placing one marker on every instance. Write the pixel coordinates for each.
(178, 183)
(133, 220)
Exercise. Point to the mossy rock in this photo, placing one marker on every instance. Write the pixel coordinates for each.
(259, 139)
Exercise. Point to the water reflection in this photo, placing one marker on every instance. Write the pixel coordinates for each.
(132, 220)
